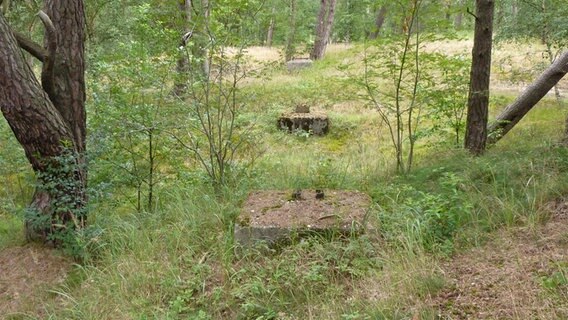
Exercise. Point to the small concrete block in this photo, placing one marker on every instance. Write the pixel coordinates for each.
(273, 216)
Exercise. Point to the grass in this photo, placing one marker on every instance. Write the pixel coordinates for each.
(180, 261)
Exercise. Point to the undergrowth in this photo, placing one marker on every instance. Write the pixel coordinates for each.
(179, 261)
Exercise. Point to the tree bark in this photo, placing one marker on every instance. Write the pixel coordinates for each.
(565, 138)
(290, 50)
(69, 76)
(182, 65)
(459, 15)
(270, 32)
(206, 58)
(379, 21)
(478, 100)
(323, 28)
(5, 6)
(49, 120)
(529, 98)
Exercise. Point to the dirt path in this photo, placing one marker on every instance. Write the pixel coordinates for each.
(26, 273)
(520, 274)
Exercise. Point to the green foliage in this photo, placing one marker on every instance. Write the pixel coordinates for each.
(430, 219)
(14, 171)
(399, 79)
(129, 124)
(557, 281)
(179, 261)
(63, 221)
(354, 20)
(532, 20)
(311, 268)
(536, 19)
(446, 96)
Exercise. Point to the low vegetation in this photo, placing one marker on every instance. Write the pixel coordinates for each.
(173, 257)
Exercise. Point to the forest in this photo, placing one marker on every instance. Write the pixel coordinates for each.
(283, 159)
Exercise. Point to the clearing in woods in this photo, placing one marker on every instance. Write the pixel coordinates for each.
(515, 275)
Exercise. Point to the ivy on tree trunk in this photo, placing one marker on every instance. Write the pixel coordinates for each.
(49, 119)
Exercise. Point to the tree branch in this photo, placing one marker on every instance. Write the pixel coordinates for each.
(471, 13)
(31, 47)
(47, 74)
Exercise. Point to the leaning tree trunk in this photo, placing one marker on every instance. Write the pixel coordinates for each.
(49, 119)
(478, 100)
(323, 28)
(529, 98)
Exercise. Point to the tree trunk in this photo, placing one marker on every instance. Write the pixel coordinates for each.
(478, 100)
(529, 98)
(290, 50)
(565, 138)
(49, 120)
(5, 6)
(458, 19)
(270, 33)
(379, 21)
(323, 28)
(207, 32)
(182, 65)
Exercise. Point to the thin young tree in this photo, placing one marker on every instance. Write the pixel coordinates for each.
(48, 118)
(478, 100)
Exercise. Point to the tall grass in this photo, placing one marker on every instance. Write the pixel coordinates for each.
(180, 262)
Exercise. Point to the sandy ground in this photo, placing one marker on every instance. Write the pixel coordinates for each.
(520, 274)
(26, 274)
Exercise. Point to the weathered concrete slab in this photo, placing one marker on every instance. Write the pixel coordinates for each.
(298, 64)
(273, 216)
